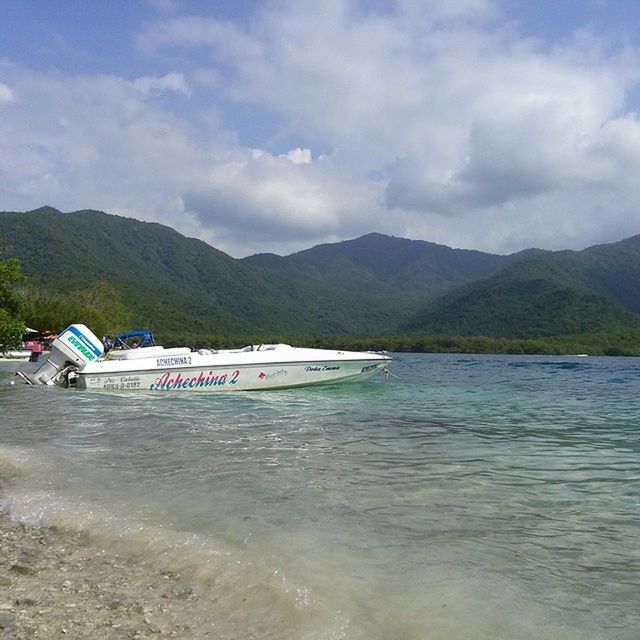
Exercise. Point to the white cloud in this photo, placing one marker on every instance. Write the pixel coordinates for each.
(170, 82)
(94, 142)
(273, 197)
(460, 116)
(6, 94)
(97, 142)
(427, 119)
(299, 156)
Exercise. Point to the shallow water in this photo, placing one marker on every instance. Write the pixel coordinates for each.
(472, 497)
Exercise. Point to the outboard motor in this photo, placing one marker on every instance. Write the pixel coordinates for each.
(72, 349)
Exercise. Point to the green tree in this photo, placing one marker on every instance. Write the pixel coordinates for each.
(12, 326)
(99, 306)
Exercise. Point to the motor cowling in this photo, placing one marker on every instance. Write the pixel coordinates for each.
(75, 346)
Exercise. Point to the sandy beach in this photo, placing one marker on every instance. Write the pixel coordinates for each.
(54, 583)
(58, 581)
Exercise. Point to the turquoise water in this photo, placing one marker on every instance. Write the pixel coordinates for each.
(471, 497)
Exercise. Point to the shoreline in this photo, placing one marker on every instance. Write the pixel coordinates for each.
(56, 583)
(61, 583)
(103, 583)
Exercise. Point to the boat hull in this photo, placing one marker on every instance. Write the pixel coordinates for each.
(208, 376)
(15, 354)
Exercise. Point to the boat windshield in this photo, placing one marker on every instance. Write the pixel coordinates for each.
(133, 339)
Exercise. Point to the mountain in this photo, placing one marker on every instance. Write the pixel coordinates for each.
(564, 292)
(159, 271)
(175, 283)
(397, 265)
(371, 285)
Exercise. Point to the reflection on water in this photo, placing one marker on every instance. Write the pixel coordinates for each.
(473, 497)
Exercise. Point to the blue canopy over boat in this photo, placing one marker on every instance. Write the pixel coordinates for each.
(129, 339)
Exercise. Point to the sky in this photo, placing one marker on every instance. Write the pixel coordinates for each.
(273, 126)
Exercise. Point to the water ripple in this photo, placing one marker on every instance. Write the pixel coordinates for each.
(496, 496)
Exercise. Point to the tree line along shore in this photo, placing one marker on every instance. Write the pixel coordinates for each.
(105, 312)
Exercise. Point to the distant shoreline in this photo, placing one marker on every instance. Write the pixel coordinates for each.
(598, 344)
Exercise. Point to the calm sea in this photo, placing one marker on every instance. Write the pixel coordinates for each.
(471, 497)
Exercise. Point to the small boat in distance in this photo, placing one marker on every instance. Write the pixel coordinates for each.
(77, 359)
(15, 354)
(26, 351)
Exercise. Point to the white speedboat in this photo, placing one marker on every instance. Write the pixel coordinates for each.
(77, 359)
(15, 354)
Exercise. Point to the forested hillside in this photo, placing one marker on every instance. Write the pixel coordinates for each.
(175, 284)
(565, 292)
(397, 265)
(148, 274)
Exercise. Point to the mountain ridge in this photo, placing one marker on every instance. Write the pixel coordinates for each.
(413, 266)
(369, 285)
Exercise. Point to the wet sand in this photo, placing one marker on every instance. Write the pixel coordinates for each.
(55, 583)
